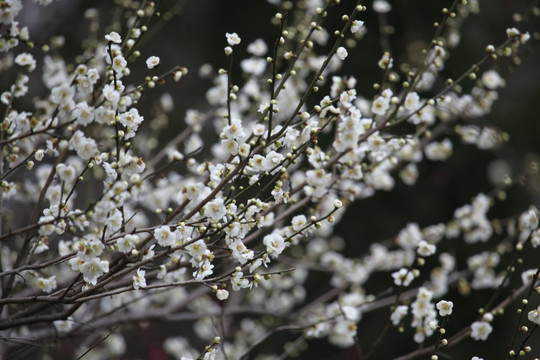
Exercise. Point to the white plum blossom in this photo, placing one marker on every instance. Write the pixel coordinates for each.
(492, 80)
(386, 62)
(381, 6)
(233, 39)
(356, 26)
(513, 32)
(275, 244)
(62, 94)
(241, 252)
(93, 269)
(398, 314)
(445, 307)
(152, 62)
(529, 219)
(222, 294)
(230, 146)
(111, 93)
(380, 105)
(439, 151)
(26, 59)
(234, 130)
(425, 248)
(534, 315)
(412, 101)
(66, 172)
(257, 47)
(342, 53)
(343, 333)
(238, 281)
(254, 66)
(114, 37)
(215, 209)
(83, 113)
(204, 270)
(47, 285)
(131, 120)
(85, 147)
(197, 250)
(403, 277)
(272, 160)
(164, 236)
(119, 63)
(64, 326)
(480, 330)
(298, 222)
(410, 237)
(139, 281)
(127, 243)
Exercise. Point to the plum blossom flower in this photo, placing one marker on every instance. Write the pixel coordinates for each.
(131, 120)
(204, 270)
(381, 6)
(93, 269)
(257, 48)
(197, 250)
(298, 222)
(215, 209)
(342, 53)
(445, 307)
(481, 330)
(111, 94)
(85, 147)
(380, 105)
(119, 63)
(513, 32)
(139, 281)
(234, 130)
(412, 101)
(46, 284)
(127, 243)
(439, 151)
(492, 80)
(255, 66)
(64, 326)
(233, 39)
(164, 236)
(356, 26)
(241, 252)
(62, 94)
(410, 237)
(343, 333)
(114, 37)
(83, 113)
(534, 315)
(398, 314)
(152, 62)
(238, 281)
(425, 248)
(275, 244)
(403, 277)
(26, 59)
(272, 160)
(222, 294)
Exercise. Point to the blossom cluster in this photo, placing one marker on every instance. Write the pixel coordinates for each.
(227, 225)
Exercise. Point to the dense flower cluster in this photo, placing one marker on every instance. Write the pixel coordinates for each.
(225, 226)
